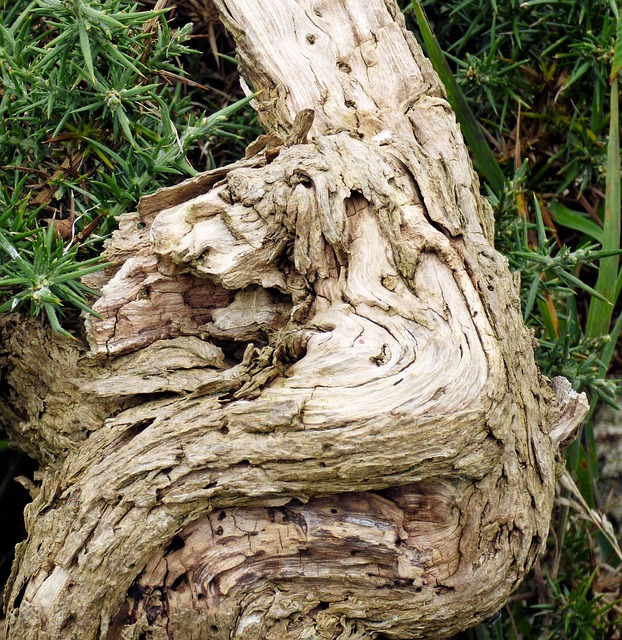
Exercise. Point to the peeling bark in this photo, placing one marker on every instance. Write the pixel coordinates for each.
(311, 408)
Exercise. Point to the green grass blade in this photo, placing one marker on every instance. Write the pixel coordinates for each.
(610, 347)
(534, 288)
(50, 311)
(576, 221)
(70, 296)
(617, 53)
(85, 45)
(572, 280)
(600, 313)
(9, 248)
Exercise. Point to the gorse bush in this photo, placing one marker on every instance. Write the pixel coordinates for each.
(551, 59)
(93, 115)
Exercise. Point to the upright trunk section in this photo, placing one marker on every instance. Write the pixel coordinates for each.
(311, 407)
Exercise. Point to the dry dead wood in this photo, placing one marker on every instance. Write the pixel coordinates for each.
(311, 407)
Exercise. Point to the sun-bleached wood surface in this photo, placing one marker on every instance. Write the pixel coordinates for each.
(310, 408)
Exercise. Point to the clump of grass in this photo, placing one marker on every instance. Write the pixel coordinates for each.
(94, 113)
(553, 59)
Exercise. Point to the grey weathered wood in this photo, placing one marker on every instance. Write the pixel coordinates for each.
(311, 407)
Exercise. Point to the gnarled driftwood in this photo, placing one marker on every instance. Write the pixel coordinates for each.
(310, 408)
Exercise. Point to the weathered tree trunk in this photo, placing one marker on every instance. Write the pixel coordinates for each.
(311, 408)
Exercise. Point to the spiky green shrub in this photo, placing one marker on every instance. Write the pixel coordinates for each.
(94, 113)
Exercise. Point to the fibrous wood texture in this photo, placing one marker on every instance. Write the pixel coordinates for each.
(310, 408)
